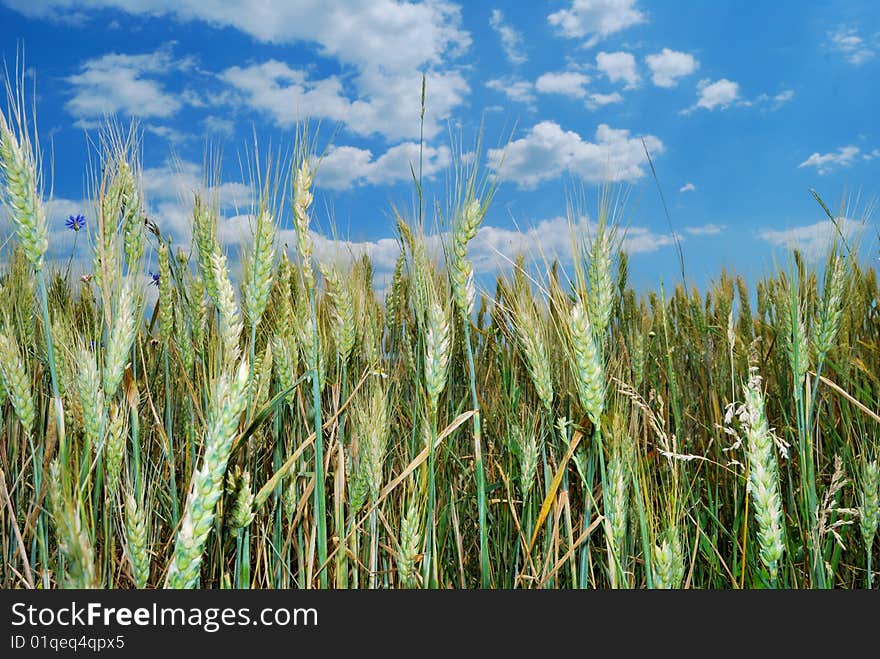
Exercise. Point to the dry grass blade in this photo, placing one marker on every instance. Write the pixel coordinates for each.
(849, 397)
(554, 486)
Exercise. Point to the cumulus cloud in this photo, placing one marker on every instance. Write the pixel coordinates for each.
(813, 240)
(711, 95)
(384, 43)
(596, 19)
(374, 34)
(825, 162)
(520, 91)
(688, 187)
(345, 166)
(619, 66)
(496, 248)
(601, 100)
(511, 40)
(668, 66)
(127, 84)
(385, 104)
(547, 151)
(565, 83)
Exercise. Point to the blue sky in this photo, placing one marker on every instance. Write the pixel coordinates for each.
(744, 106)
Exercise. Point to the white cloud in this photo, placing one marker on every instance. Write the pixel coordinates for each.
(382, 252)
(640, 240)
(596, 19)
(705, 230)
(723, 93)
(853, 47)
(385, 104)
(566, 83)
(777, 100)
(495, 248)
(520, 91)
(718, 94)
(873, 153)
(219, 126)
(375, 34)
(813, 240)
(784, 97)
(511, 40)
(773, 102)
(619, 66)
(601, 100)
(346, 166)
(116, 83)
(547, 151)
(171, 135)
(688, 187)
(669, 65)
(825, 162)
(169, 189)
(385, 44)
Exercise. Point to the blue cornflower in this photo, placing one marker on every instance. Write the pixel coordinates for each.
(75, 222)
(154, 278)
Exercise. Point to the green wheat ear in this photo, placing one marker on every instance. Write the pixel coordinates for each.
(409, 544)
(238, 486)
(869, 502)
(91, 397)
(114, 448)
(668, 561)
(16, 382)
(73, 537)
(125, 325)
(532, 338)
(21, 176)
(343, 327)
(228, 403)
(461, 270)
(259, 268)
(764, 478)
(230, 317)
(588, 370)
(437, 350)
(136, 541)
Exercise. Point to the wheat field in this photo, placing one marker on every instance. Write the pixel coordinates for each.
(299, 426)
